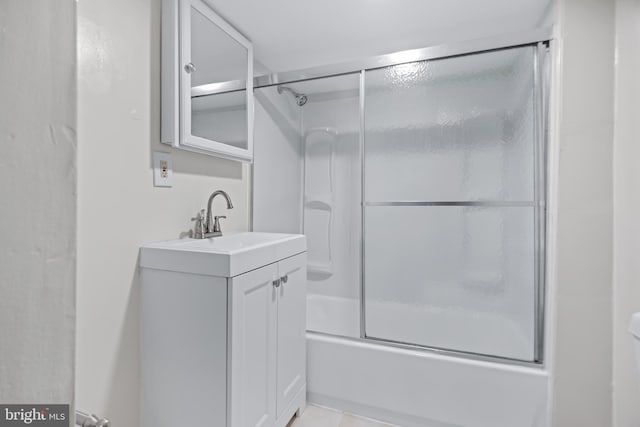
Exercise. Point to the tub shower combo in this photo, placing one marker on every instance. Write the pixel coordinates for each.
(419, 179)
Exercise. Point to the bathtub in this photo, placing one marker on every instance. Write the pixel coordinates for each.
(414, 388)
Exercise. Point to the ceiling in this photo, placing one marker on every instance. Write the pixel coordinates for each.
(294, 34)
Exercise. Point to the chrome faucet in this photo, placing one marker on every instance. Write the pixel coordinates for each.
(210, 227)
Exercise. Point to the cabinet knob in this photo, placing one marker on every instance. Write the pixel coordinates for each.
(190, 68)
(276, 283)
(284, 279)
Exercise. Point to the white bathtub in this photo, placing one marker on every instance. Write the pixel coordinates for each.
(416, 388)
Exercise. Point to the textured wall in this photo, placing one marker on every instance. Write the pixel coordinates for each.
(38, 207)
(626, 297)
(118, 207)
(582, 355)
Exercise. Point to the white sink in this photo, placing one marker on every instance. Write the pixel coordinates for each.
(225, 256)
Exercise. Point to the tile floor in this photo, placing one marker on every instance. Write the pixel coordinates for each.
(315, 416)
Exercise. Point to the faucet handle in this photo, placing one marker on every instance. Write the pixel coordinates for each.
(200, 216)
(198, 229)
(216, 223)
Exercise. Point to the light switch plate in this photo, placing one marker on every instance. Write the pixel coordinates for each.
(162, 169)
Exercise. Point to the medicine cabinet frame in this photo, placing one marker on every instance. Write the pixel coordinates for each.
(176, 91)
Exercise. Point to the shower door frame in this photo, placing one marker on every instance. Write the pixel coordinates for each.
(540, 40)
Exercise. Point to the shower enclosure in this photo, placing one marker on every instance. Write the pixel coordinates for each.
(419, 180)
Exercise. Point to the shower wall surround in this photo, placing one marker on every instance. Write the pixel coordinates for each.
(278, 121)
(331, 210)
(317, 148)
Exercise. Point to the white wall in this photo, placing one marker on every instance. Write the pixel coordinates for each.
(583, 134)
(626, 292)
(38, 190)
(118, 208)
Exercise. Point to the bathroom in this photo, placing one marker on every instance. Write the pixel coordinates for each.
(80, 124)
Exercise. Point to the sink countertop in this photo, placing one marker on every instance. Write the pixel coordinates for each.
(224, 256)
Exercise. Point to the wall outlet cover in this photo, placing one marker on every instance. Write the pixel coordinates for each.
(162, 169)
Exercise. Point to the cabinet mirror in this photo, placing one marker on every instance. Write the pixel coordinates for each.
(207, 82)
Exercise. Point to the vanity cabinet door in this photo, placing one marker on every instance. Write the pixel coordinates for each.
(252, 356)
(291, 329)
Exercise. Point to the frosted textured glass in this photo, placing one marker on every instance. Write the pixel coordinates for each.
(452, 277)
(451, 129)
(455, 277)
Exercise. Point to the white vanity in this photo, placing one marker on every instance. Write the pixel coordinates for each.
(223, 331)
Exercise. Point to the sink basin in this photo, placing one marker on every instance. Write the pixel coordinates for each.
(225, 256)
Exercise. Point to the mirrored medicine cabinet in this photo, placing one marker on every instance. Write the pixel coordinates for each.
(207, 82)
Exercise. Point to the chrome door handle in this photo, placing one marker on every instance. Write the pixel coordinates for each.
(190, 68)
(284, 278)
(276, 283)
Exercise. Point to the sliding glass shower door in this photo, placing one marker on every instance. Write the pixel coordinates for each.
(453, 203)
(421, 190)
